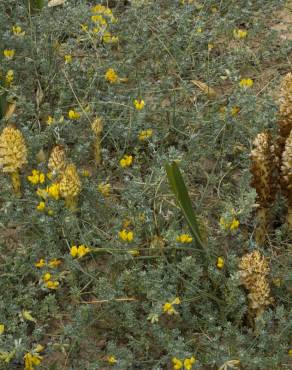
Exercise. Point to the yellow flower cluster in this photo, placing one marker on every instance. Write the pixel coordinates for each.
(126, 161)
(9, 53)
(184, 238)
(111, 360)
(168, 307)
(80, 251)
(145, 134)
(52, 263)
(73, 115)
(104, 189)
(49, 283)
(126, 236)
(101, 9)
(17, 31)
(220, 263)
(101, 16)
(229, 225)
(52, 191)
(139, 104)
(246, 83)
(36, 177)
(111, 76)
(187, 363)
(31, 360)
(239, 33)
(68, 58)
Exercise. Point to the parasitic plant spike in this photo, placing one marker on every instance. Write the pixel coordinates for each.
(13, 155)
(253, 271)
(70, 187)
(97, 126)
(286, 177)
(285, 114)
(57, 160)
(264, 180)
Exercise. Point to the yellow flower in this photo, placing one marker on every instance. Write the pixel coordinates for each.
(68, 58)
(99, 19)
(139, 104)
(111, 360)
(73, 115)
(50, 120)
(126, 236)
(145, 134)
(199, 30)
(188, 363)
(47, 276)
(246, 83)
(83, 250)
(2, 328)
(177, 363)
(104, 189)
(41, 206)
(109, 39)
(31, 360)
(234, 224)
(126, 161)
(51, 212)
(184, 238)
(235, 110)
(74, 251)
(80, 251)
(168, 307)
(39, 348)
(54, 263)
(42, 193)
(17, 31)
(9, 53)
(53, 191)
(210, 47)
(52, 284)
(111, 76)
(36, 177)
(9, 77)
(220, 263)
(239, 34)
(98, 9)
(41, 263)
(290, 352)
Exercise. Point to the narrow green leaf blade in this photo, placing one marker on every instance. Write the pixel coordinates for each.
(180, 191)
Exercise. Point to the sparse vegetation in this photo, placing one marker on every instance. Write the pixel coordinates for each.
(145, 158)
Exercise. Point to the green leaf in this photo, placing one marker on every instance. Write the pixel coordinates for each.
(179, 189)
(36, 4)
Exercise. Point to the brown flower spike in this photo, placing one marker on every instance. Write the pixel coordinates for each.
(57, 160)
(13, 154)
(97, 126)
(70, 187)
(264, 180)
(285, 114)
(254, 269)
(286, 177)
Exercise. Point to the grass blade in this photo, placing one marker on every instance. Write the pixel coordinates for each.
(179, 188)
